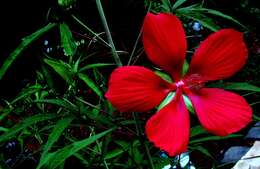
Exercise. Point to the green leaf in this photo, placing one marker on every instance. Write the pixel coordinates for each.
(76, 65)
(178, 3)
(166, 5)
(160, 163)
(197, 130)
(204, 20)
(55, 135)
(164, 76)
(27, 92)
(167, 100)
(61, 68)
(25, 123)
(90, 84)
(185, 67)
(138, 157)
(220, 14)
(188, 104)
(5, 112)
(48, 76)
(256, 118)
(3, 129)
(192, 12)
(67, 41)
(23, 45)
(214, 138)
(61, 166)
(125, 145)
(66, 3)
(202, 150)
(127, 122)
(240, 86)
(82, 158)
(114, 153)
(59, 102)
(95, 65)
(92, 113)
(197, 12)
(55, 159)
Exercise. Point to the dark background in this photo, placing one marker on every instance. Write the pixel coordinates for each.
(21, 18)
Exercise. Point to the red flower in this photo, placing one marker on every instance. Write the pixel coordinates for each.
(135, 88)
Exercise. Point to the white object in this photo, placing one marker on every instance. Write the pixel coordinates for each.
(251, 160)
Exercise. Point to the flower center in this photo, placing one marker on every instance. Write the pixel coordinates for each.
(192, 83)
(179, 84)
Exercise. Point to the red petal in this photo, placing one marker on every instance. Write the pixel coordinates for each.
(221, 112)
(135, 88)
(169, 128)
(164, 42)
(221, 55)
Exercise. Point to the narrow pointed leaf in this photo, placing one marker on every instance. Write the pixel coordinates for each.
(95, 65)
(204, 20)
(55, 135)
(59, 102)
(25, 123)
(239, 86)
(114, 153)
(27, 92)
(202, 150)
(197, 130)
(220, 14)
(23, 45)
(214, 138)
(66, 3)
(166, 5)
(67, 41)
(178, 3)
(164, 76)
(55, 159)
(167, 100)
(90, 83)
(61, 68)
(82, 159)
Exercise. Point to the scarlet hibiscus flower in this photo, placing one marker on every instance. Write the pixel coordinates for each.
(135, 88)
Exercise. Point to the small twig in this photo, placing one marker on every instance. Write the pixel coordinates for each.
(137, 40)
(90, 30)
(109, 37)
(139, 133)
(254, 103)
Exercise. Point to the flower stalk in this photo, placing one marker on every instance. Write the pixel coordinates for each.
(109, 37)
(139, 132)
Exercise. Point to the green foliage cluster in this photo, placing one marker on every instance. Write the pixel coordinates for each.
(64, 108)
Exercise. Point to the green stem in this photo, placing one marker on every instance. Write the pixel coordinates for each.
(139, 133)
(90, 30)
(105, 164)
(135, 45)
(137, 40)
(109, 37)
(254, 103)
